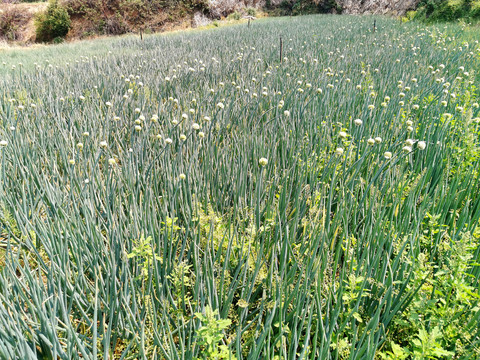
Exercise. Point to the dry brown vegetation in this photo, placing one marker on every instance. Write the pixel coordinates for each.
(16, 21)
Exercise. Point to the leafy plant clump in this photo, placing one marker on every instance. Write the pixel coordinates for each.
(448, 10)
(53, 23)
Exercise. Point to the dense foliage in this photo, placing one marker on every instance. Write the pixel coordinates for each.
(448, 10)
(194, 196)
(53, 23)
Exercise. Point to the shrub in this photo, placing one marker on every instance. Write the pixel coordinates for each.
(82, 7)
(53, 23)
(11, 19)
(447, 10)
(251, 11)
(234, 16)
(475, 12)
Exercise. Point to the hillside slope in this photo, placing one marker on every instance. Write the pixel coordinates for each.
(17, 21)
(92, 18)
(395, 7)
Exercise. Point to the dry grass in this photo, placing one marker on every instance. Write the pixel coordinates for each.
(25, 32)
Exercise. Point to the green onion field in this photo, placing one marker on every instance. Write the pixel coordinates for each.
(196, 196)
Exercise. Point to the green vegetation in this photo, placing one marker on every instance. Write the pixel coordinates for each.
(52, 24)
(194, 196)
(448, 10)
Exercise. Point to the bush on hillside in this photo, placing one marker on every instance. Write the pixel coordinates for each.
(448, 10)
(53, 23)
(475, 11)
(11, 20)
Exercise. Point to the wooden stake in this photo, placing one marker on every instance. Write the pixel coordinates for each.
(281, 49)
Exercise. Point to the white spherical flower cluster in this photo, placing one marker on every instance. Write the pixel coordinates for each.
(263, 161)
